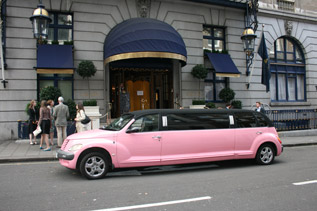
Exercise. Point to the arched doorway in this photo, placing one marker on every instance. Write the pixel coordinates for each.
(148, 81)
(144, 57)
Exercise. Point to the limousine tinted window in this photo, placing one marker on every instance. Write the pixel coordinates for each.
(188, 121)
(245, 119)
(262, 121)
(146, 123)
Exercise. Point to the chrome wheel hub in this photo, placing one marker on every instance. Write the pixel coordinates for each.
(95, 166)
(266, 155)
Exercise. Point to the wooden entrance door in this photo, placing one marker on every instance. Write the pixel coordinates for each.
(139, 94)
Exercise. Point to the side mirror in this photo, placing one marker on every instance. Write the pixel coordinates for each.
(133, 130)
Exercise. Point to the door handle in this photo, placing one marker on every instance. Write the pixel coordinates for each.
(259, 132)
(156, 137)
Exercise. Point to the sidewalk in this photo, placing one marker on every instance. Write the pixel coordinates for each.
(22, 151)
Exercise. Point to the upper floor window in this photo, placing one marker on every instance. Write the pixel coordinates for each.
(61, 27)
(288, 74)
(213, 41)
(214, 38)
(287, 5)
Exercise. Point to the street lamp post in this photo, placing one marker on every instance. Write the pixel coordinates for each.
(40, 20)
(248, 37)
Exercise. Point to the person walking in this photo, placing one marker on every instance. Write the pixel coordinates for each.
(50, 105)
(259, 107)
(81, 115)
(45, 124)
(61, 113)
(33, 119)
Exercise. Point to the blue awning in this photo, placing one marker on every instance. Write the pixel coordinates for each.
(223, 65)
(55, 59)
(144, 38)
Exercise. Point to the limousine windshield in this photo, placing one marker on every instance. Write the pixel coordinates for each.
(119, 123)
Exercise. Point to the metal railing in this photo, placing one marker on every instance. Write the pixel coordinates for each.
(295, 119)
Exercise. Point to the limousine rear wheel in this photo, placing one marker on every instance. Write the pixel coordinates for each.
(94, 165)
(265, 155)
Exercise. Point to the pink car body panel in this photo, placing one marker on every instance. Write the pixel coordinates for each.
(172, 147)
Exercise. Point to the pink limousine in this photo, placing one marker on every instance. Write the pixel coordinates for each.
(169, 137)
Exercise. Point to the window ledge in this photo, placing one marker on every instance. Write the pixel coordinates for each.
(284, 104)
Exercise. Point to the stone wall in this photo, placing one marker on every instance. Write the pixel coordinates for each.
(93, 19)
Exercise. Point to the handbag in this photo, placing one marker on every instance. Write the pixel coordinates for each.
(37, 131)
(86, 120)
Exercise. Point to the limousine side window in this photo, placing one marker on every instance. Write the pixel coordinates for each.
(262, 122)
(188, 121)
(245, 119)
(146, 123)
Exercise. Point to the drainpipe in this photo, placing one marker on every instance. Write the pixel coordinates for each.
(3, 4)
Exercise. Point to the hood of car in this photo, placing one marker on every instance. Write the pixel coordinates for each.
(92, 134)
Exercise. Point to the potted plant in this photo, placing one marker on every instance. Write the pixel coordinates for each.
(86, 69)
(199, 72)
(236, 104)
(197, 104)
(227, 94)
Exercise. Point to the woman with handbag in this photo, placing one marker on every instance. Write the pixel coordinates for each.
(45, 124)
(81, 116)
(33, 117)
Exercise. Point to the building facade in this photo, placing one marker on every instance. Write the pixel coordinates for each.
(108, 34)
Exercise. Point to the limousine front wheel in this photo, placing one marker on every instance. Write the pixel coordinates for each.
(94, 165)
(265, 155)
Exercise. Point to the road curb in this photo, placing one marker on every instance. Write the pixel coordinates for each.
(23, 160)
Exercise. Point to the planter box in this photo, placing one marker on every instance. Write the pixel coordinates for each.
(197, 106)
(94, 115)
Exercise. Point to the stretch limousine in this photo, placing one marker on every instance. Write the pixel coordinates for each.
(168, 137)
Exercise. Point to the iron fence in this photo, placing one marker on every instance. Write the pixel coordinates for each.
(299, 119)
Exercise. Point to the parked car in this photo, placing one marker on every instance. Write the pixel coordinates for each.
(168, 137)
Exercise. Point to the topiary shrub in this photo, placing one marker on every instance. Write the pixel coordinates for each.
(199, 72)
(198, 102)
(227, 94)
(236, 104)
(86, 69)
(50, 93)
(210, 105)
(90, 103)
(72, 109)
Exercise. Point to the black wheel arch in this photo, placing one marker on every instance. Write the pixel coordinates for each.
(94, 149)
(271, 144)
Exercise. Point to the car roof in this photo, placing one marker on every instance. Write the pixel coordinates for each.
(186, 111)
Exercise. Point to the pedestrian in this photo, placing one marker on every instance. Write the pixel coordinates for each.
(259, 107)
(81, 115)
(33, 120)
(228, 106)
(61, 113)
(45, 124)
(50, 105)
(124, 101)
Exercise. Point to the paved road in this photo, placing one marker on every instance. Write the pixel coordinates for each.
(234, 185)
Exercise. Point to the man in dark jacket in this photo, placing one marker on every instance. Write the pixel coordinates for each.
(259, 108)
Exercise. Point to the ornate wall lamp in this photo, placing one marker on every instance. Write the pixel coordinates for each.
(40, 21)
(248, 36)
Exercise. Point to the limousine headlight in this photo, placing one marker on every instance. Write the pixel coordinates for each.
(75, 147)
